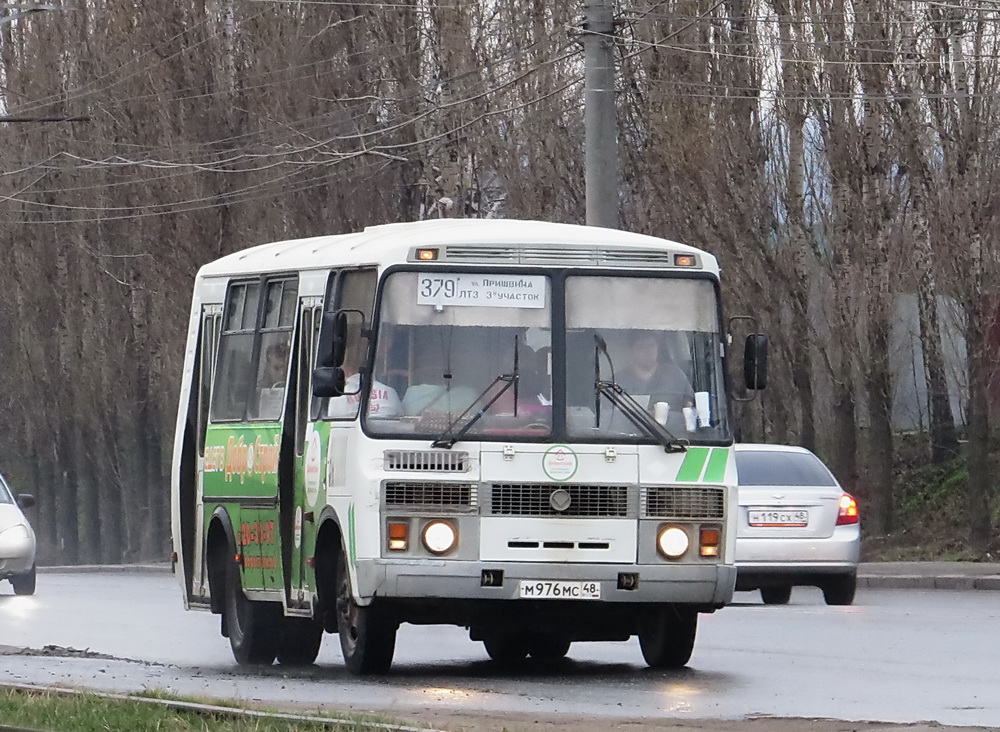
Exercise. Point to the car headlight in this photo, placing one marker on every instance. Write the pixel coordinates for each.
(672, 541)
(440, 537)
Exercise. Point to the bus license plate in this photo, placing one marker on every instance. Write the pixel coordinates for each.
(547, 589)
(778, 517)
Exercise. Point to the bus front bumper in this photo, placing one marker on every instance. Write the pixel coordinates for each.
(699, 584)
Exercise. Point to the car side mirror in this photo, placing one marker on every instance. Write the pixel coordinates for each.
(25, 500)
(755, 361)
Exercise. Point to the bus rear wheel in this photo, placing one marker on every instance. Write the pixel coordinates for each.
(667, 636)
(299, 641)
(506, 648)
(548, 648)
(251, 625)
(367, 636)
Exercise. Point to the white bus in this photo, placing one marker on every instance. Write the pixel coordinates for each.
(512, 426)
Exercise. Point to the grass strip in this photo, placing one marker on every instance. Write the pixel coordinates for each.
(48, 710)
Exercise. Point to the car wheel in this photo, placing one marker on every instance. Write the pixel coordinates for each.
(298, 641)
(252, 626)
(24, 584)
(840, 590)
(776, 595)
(666, 638)
(367, 637)
(506, 648)
(548, 648)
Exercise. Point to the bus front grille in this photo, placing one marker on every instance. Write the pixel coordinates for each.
(420, 494)
(535, 499)
(684, 502)
(438, 461)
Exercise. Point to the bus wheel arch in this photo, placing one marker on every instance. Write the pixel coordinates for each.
(220, 547)
(329, 544)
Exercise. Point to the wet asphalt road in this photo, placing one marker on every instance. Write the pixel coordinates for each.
(896, 655)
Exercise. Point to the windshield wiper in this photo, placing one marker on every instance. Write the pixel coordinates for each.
(632, 410)
(638, 416)
(447, 440)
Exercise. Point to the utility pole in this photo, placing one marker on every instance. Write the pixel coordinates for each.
(600, 124)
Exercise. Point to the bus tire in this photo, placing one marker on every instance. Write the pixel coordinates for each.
(506, 648)
(779, 595)
(548, 648)
(251, 625)
(367, 636)
(666, 637)
(299, 641)
(24, 584)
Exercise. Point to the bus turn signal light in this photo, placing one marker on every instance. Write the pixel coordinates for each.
(710, 537)
(848, 513)
(684, 260)
(427, 255)
(398, 539)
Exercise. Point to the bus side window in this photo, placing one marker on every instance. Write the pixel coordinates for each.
(275, 342)
(355, 290)
(233, 377)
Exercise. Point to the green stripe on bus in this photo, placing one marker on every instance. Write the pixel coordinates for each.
(716, 470)
(694, 461)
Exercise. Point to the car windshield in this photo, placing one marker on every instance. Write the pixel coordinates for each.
(5, 494)
(766, 467)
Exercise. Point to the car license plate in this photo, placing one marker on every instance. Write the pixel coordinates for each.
(778, 517)
(548, 589)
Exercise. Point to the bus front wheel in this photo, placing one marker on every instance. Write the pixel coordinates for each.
(367, 636)
(251, 625)
(666, 637)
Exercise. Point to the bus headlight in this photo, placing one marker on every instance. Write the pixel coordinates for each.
(672, 541)
(440, 537)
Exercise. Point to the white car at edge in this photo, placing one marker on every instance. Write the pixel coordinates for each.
(796, 525)
(17, 541)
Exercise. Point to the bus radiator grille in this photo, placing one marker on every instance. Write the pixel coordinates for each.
(421, 494)
(533, 499)
(686, 502)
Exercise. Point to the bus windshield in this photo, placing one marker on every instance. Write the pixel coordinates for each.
(470, 356)
(453, 345)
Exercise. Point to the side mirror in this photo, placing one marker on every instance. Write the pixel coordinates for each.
(25, 500)
(328, 381)
(333, 339)
(755, 361)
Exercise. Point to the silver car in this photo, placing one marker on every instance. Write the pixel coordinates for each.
(797, 526)
(17, 541)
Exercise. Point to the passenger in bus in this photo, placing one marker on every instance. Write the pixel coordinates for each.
(275, 365)
(650, 376)
(383, 401)
(433, 387)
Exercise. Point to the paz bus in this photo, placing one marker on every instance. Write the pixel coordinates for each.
(440, 423)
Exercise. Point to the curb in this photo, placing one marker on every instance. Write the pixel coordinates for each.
(107, 568)
(929, 582)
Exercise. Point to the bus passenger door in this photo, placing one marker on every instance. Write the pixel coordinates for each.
(305, 499)
(191, 521)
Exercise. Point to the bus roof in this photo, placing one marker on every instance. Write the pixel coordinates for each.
(388, 244)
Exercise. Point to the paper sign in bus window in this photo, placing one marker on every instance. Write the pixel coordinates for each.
(482, 290)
